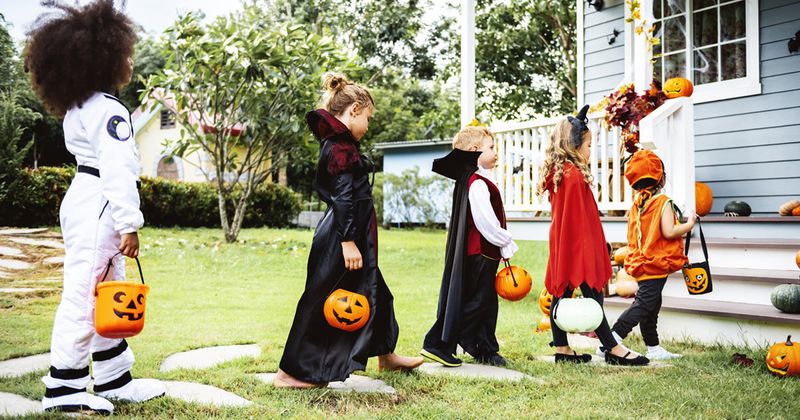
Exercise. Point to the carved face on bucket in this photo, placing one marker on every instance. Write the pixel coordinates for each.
(130, 308)
(346, 310)
(696, 280)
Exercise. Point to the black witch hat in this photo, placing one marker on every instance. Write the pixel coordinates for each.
(580, 123)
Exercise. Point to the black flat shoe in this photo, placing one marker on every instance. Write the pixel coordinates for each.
(441, 357)
(493, 359)
(573, 358)
(624, 361)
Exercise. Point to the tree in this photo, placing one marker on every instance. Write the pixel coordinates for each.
(525, 57)
(240, 87)
(13, 118)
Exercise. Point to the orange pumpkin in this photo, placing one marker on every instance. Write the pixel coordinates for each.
(703, 198)
(346, 310)
(627, 288)
(787, 208)
(796, 211)
(797, 259)
(783, 359)
(546, 300)
(620, 255)
(677, 87)
(513, 283)
(544, 324)
(119, 311)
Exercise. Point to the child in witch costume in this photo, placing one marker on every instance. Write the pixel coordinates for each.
(476, 241)
(344, 254)
(655, 249)
(578, 253)
(76, 60)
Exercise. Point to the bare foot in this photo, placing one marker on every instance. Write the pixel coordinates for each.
(284, 380)
(621, 351)
(393, 361)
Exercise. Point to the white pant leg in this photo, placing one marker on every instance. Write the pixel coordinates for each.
(90, 240)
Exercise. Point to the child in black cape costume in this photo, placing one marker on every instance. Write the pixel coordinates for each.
(476, 242)
(316, 353)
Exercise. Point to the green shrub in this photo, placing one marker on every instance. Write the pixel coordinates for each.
(34, 198)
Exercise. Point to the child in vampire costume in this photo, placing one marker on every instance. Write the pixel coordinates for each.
(74, 70)
(578, 253)
(476, 241)
(344, 254)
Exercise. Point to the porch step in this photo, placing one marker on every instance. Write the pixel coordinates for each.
(740, 285)
(737, 310)
(748, 253)
(713, 322)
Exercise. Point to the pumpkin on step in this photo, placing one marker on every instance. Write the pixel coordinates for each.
(737, 208)
(677, 87)
(797, 259)
(703, 198)
(786, 298)
(783, 359)
(623, 276)
(796, 211)
(627, 288)
(788, 208)
(620, 255)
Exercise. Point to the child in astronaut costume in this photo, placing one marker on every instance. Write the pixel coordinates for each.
(100, 213)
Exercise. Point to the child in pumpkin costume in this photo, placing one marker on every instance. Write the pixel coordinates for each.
(344, 254)
(578, 253)
(655, 249)
(476, 241)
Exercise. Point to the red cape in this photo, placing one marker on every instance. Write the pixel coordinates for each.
(578, 250)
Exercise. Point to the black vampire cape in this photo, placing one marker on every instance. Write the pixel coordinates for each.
(458, 165)
(315, 351)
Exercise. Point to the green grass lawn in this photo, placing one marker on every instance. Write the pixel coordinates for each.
(205, 292)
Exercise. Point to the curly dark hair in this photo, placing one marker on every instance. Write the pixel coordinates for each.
(76, 51)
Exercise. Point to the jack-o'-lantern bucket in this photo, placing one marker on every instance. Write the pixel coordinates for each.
(119, 311)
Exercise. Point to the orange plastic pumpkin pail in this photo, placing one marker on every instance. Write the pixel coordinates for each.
(119, 311)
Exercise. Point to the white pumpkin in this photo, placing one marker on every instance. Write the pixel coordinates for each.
(577, 314)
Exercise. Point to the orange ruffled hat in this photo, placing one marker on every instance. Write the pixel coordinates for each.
(642, 165)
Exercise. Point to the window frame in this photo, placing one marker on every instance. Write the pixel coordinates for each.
(723, 89)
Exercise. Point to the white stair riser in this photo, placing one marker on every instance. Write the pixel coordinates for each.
(724, 290)
(706, 329)
(773, 258)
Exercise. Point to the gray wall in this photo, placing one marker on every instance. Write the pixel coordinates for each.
(746, 148)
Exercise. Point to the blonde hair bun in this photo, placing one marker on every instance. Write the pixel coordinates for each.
(333, 82)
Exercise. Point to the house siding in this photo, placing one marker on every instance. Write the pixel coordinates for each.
(747, 148)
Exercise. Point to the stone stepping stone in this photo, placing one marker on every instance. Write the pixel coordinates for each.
(468, 370)
(583, 342)
(15, 265)
(16, 405)
(29, 231)
(54, 261)
(10, 252)
(209, 357)
(22, 290)
(46, 243)
(354, 383)
(599, 361)
(13, 368)
(4, 275)
(204, 394)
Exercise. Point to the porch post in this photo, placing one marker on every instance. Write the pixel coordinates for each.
(467, 61)
(642, 53)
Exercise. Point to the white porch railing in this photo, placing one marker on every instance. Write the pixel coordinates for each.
(521, 149)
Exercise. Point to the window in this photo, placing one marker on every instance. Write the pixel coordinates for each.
(167, 119)
(713, 43)
(168, 168)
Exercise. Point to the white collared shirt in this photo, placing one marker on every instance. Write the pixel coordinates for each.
(485, 220)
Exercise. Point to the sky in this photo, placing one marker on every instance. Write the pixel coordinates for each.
(152, 15)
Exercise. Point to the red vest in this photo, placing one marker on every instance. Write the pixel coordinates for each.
(476, 244)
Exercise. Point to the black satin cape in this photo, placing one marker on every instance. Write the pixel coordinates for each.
(315, 351)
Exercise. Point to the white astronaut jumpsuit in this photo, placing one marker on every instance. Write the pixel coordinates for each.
(101, 204)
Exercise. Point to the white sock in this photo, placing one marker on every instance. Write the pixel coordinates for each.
(654, 348)
(616, 337)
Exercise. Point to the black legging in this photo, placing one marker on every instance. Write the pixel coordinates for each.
(603, 331)
(643, 311)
